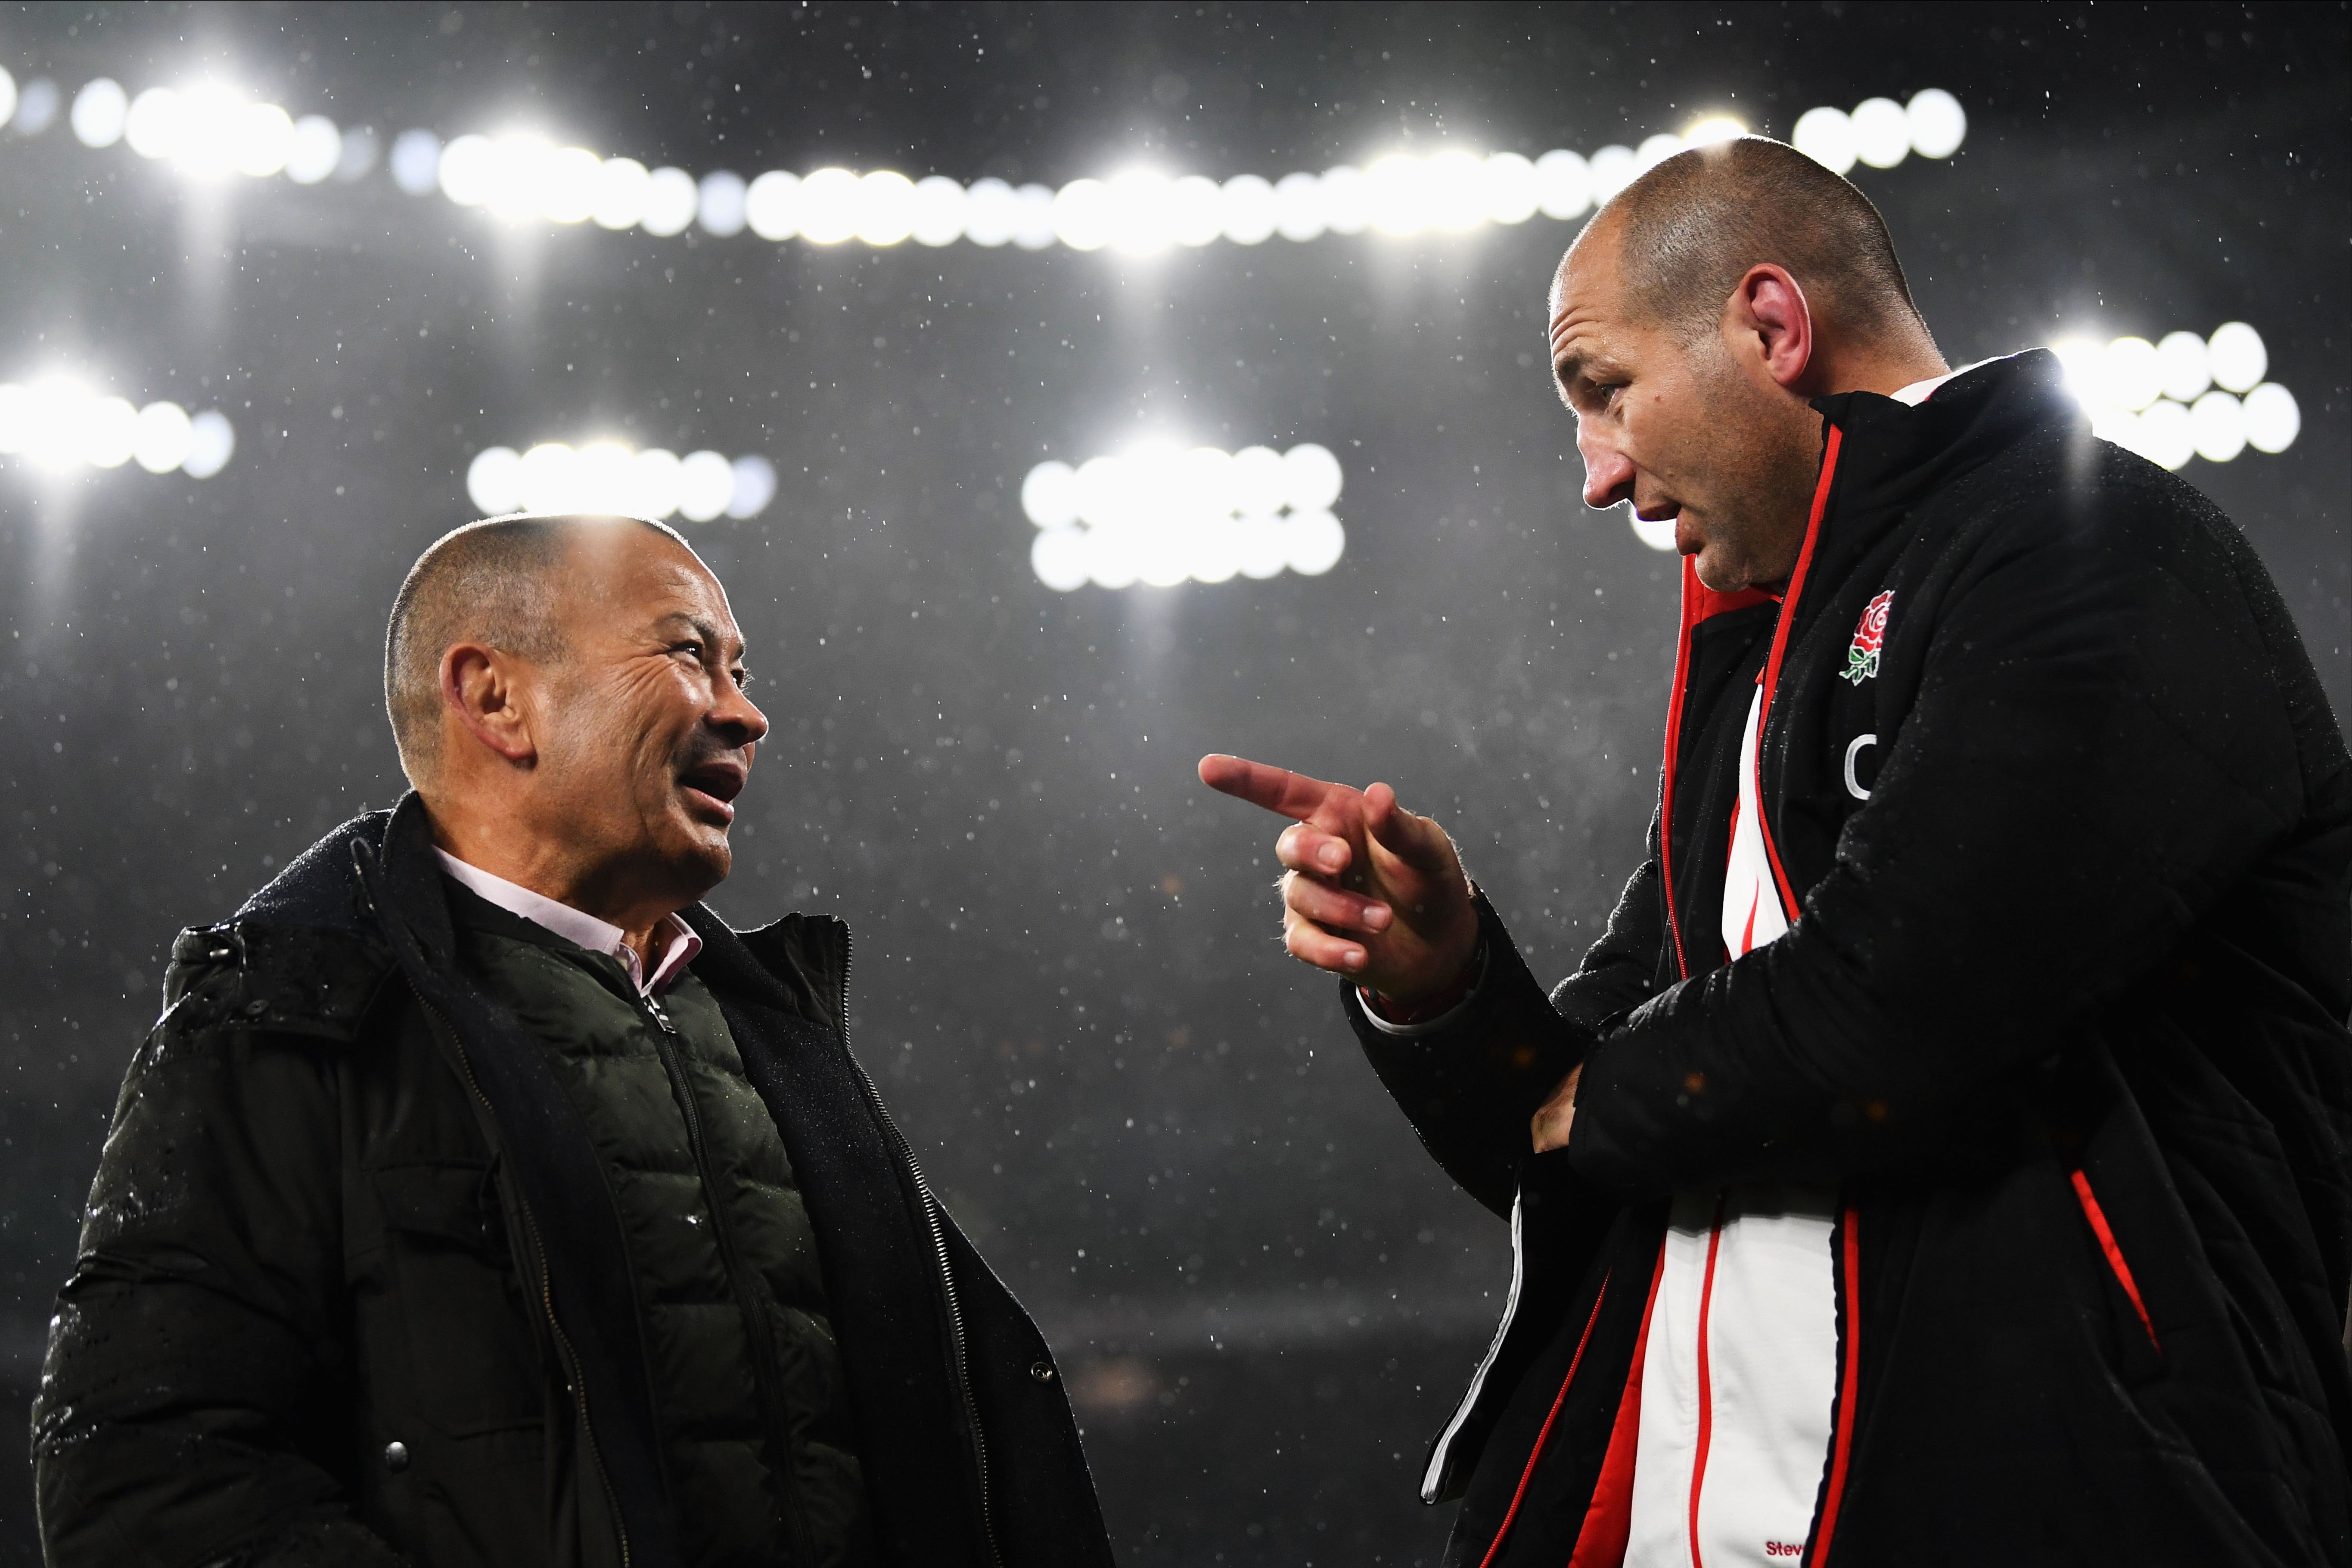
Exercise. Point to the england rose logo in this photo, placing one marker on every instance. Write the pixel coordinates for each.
(1862, 659)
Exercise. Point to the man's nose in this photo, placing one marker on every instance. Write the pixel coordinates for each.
(737, 713)
(1607, 473)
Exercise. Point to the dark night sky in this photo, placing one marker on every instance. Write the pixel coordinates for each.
(1068, 977)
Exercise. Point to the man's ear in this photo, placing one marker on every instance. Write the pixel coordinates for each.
(1768, 322)
(480, 685)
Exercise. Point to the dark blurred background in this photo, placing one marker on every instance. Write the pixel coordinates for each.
(1068, 979)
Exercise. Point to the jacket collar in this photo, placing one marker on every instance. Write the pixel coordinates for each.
(800, 962)
(1893, 456)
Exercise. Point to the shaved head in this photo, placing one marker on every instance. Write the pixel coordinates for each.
(493, 583)
(1689, 229)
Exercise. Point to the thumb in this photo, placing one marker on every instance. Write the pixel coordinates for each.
(1417, 841)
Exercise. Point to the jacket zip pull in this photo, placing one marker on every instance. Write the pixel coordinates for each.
(657, 1013)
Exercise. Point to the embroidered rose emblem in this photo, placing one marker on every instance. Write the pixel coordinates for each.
(1869, 636)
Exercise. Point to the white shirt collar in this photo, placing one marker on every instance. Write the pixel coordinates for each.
(676, 939)
(1918, 392)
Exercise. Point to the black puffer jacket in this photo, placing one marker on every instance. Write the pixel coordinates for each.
(2067, 849)
(352, 1287)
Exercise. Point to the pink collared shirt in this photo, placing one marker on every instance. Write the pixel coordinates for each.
(675, 938)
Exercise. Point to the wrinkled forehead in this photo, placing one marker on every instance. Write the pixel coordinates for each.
(632, 575)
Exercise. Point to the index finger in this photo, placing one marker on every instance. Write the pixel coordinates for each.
(1279, 790)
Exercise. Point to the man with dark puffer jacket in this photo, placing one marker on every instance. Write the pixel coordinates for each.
(1946, 1154)
(482, 1200)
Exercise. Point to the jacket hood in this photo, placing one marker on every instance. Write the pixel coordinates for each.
(319, 888)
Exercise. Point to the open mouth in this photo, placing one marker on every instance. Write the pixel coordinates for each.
(1686, 537)
(710, 788)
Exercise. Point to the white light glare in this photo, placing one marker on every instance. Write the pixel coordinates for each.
(98, 111)
(59, 425)
(608, 477)
(1141, 211)
(2176, 398)
(209, 131)
(1882, 132)
(1159, 515)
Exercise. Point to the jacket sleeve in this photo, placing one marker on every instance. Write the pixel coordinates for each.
(2098, 748)
(1620, 971)
(1470, 1087)
(194, 1400)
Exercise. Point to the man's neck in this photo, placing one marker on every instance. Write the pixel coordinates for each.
(512, 852)
(1884, 374)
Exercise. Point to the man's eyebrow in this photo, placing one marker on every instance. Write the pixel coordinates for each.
(1571, 371)
(703, 629)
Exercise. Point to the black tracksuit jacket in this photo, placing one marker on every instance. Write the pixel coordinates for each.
(2061, 1012)
(353, 1288)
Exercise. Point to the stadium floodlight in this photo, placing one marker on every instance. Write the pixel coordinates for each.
(2183, 395)
(1159, 514)
(611, 477)
(1452, 189)
(58, 424)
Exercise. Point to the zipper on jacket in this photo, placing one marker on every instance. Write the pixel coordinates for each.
(938, 1250)
(759, 1329)
(578, 1385)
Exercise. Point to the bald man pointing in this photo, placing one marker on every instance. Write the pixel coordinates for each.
(1946, 1155)
(481, 1200)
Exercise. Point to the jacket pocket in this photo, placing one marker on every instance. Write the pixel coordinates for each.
(473, 1364)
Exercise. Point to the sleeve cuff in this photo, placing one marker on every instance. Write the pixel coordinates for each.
(1426, 1025)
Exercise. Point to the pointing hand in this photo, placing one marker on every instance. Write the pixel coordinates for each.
(1369, 891)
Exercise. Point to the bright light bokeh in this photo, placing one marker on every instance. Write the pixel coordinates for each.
(2178, 397)
(2237, 357)
(59, 425)
(522, 176)
(720, 203)
(1881, 132)
(99, 112)
(611, 477)
(827, 206)
(1160, 515)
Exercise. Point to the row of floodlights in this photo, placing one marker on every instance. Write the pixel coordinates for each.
(2183, 395)
(520, 176)
(206, 131)
(609, 477)
(214, 131)
(1161, 514)
(59, 425)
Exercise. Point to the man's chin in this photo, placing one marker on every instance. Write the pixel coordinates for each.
(698, 852)
(1716, 572)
